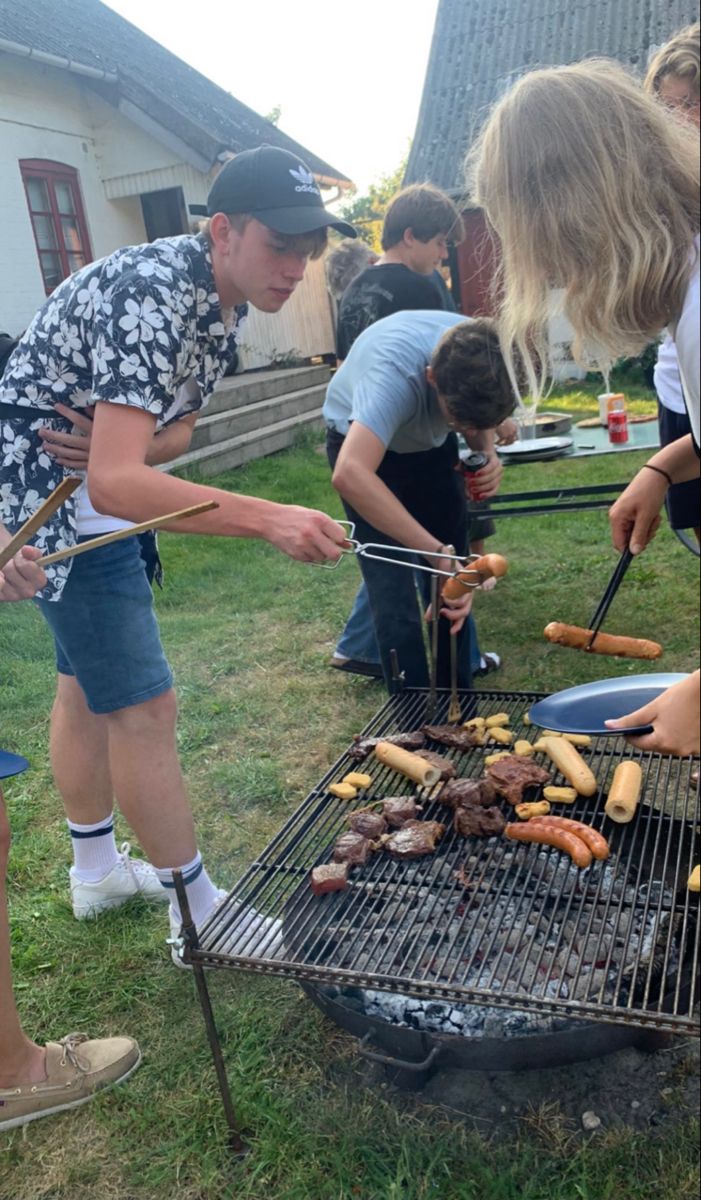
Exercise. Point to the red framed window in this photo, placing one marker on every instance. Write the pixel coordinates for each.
(58, 219)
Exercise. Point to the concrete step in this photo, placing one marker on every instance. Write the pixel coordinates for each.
(210, 430)
(239, 391)
(257, 443)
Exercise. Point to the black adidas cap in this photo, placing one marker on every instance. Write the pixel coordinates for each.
(277, 188)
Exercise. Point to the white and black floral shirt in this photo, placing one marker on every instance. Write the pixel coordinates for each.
(128, 329)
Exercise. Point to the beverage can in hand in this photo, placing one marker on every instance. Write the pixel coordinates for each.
(471, 462)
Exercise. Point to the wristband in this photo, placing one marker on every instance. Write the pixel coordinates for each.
(659, 471)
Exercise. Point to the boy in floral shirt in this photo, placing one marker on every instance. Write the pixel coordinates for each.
(128, 350)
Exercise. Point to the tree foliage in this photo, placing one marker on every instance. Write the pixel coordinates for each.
(367, 212)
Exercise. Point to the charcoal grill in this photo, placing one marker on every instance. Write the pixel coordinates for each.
(405, 927)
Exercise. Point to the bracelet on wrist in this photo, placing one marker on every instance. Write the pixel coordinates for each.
(659, 471)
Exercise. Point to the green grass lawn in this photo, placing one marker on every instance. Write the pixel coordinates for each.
(249, 634)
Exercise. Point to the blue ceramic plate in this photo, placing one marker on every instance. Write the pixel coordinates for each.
(584, 709)
(11, 764)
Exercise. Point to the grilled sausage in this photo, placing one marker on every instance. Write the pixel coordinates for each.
(546, 835)
(604, 643)
(624, 793)
(490, 565)
(595, 841)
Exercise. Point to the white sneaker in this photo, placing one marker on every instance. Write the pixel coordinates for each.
(129, 877)
(249, 922)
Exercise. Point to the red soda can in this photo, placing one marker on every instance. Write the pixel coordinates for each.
(471, 463)
(618, 428)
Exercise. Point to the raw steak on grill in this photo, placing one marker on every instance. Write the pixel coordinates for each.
(451, 735)
(414, 839)
(400, 809)
(444, 765)
(513, 775)
(413, 740)
(457, 792)
(352, 848)
(476, 821)
(367, 821)
(330, 877)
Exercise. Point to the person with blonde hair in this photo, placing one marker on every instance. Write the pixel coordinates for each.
(591, 189)
(673, 76)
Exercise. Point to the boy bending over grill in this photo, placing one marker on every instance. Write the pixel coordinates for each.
(393, 410)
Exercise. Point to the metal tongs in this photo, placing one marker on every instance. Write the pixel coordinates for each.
(403, 556)
(611, 589)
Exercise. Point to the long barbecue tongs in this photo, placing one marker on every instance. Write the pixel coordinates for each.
(611, 589)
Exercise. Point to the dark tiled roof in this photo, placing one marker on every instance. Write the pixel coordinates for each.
(480, 46)
(173, 94)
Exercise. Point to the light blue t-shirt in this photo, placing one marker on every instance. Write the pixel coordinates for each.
(383, 384)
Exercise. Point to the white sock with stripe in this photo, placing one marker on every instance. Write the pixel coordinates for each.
(95, 851)
(201, 892)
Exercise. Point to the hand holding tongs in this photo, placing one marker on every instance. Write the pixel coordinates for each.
(611, 589)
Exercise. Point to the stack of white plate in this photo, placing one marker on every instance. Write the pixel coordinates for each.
(535, 449)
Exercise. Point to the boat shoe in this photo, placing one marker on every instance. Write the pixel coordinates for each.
(129, 877)
(251, 935)
(76, 1068)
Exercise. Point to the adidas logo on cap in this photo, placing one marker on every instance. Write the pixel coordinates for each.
(305, 180)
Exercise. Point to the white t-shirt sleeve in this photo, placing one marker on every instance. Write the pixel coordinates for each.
(687, 340)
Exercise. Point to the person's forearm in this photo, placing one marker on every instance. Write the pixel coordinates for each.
(171, 442)
(137, 492)
(481, 439)
(678, 460)
(370, 497)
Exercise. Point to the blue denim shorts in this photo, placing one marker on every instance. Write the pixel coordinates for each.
(105, 629)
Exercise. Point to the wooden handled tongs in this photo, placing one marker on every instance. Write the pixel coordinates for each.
(54, 502)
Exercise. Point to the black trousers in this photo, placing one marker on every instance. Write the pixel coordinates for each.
(430, 488)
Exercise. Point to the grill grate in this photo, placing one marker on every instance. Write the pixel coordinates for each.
(408, 927)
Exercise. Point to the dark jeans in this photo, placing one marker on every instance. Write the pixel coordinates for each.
(432, 491)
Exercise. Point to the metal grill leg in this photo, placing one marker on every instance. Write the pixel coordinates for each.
(189, 934)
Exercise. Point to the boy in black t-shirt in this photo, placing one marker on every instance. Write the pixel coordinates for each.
(420, 222)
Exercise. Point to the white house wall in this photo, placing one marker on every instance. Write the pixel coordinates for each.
(47, 113)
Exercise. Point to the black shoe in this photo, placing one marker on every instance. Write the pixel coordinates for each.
(488, 663)
(355, 667)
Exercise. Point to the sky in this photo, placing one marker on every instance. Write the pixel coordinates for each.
(347, 77)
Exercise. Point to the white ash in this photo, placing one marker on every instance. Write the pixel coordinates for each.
(543, 951)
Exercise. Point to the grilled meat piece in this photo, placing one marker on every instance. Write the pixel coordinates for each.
(330, 877)
(368, 822)
(352, 848)
(400, 809)
(451, 735)
(513, 775)
(412, 740)
(468, 792)
(475, 821)
(414, 839)
(445, 766)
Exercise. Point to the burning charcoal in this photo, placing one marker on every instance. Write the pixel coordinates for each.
(468, 792)
(451, 735)
(414, 839)
(368, 822)
(330, 877)
(446, 767)
(413, 740)
(478, 822)
(352, 848)
(513, 775)
(400, 809)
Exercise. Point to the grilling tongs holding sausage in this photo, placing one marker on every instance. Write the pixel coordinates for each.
(459, 574)
(595, 642)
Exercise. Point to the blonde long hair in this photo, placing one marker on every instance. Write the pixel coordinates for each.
(590, 188)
